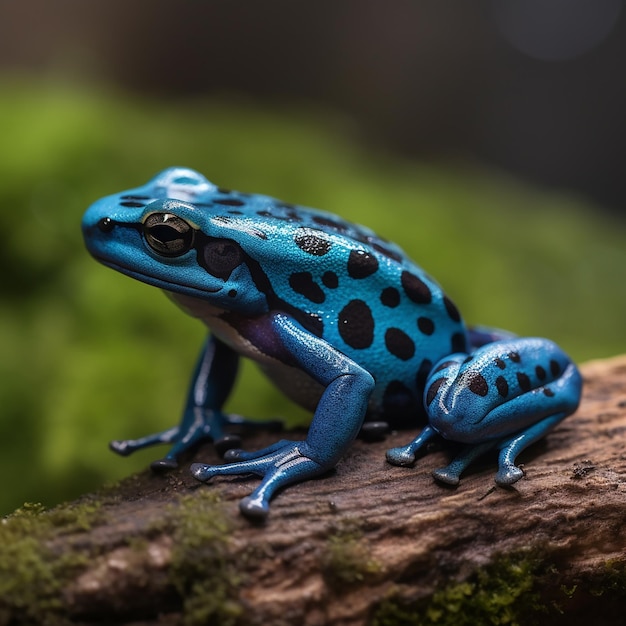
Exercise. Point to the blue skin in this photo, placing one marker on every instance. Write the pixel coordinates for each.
(338, 318)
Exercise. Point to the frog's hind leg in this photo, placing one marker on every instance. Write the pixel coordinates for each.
(506, 394)
(509, 449)
(555, 401)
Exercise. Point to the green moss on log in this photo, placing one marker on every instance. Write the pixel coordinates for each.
(504, 592)
(346, 559)
(32, 575)
(201, 569)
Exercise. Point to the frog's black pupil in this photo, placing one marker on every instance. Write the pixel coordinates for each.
(164, 234)
(106, 224)
(167, 234)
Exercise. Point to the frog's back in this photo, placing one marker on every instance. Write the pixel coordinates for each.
(338, 280)
(359, 292)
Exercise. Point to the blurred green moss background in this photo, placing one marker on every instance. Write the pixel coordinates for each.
(88, 355)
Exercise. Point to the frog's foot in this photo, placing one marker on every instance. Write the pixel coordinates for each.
(451, 474)
(448, 475)
(197, 426)
(508, 472)
(405, 455)
(128, 446)
(195, 434)
(507, 475)
(281, 464)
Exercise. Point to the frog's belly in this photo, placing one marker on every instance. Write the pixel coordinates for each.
(296, 384)
(306, 392)
(293, 382)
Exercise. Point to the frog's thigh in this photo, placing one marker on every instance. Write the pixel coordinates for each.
(503, 389)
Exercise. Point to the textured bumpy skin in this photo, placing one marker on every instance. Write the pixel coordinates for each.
(342, 321)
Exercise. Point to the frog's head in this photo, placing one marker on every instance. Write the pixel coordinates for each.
(180, 183)
(159, 235)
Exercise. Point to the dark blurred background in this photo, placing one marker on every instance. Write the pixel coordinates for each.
(484, 137)
(535, 87)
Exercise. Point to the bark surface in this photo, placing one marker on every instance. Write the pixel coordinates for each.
(368, 544)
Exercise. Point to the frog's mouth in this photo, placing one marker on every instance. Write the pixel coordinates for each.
(154, 281)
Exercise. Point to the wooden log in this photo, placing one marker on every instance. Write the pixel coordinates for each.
(368, 544)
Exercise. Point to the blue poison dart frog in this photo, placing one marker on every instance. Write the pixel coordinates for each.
(341, 320)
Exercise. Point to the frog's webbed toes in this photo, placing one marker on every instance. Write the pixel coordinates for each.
(125, 447)
(284, 463)
(451, 474)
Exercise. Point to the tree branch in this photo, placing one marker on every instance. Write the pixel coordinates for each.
(370, 543)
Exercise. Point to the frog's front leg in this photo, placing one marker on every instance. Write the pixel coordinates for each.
(507, 394)
(202, 418)
(336, 422)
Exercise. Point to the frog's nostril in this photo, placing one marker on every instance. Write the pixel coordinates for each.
(106, 224)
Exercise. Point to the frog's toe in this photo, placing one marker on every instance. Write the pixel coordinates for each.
(235, 454)
(163, 465)
(280, 447)
(202, 472)
(508, 474)
(254, 507)
(403, 456)
(227, 443)
(121, 447)
(374, 431)
(447, 476)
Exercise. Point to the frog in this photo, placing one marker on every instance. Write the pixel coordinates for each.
(340, 319)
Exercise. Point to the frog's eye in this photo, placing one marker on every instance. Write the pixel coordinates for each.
(221, 257)
(167, 234)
